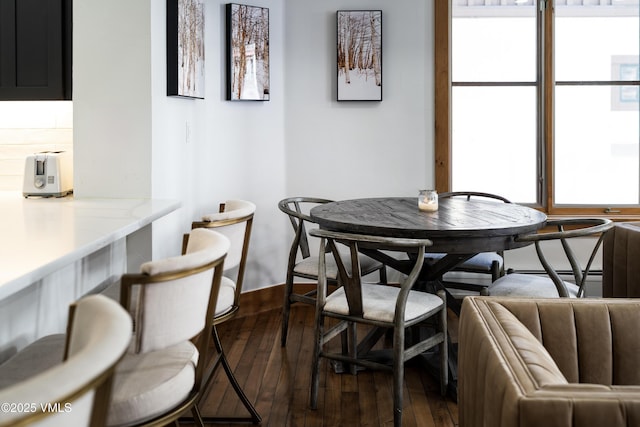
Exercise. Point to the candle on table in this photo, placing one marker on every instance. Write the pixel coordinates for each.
(428, 200)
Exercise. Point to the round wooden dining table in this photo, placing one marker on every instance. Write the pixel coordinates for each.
(461, 227)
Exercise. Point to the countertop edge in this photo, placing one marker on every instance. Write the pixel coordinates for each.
(158, 207)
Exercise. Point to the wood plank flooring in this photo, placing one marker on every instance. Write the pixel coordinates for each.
(277, 380)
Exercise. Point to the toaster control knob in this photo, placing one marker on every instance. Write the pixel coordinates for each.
(39, 182)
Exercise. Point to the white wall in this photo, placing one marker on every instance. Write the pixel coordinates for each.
(131, 140)
(359, 149)
(112, 98)
(207, 151)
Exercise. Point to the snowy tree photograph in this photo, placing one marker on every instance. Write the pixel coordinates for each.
(248, 52)
(185, 48)
(359, 52)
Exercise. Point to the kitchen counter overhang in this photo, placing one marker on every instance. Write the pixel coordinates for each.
(42, 235)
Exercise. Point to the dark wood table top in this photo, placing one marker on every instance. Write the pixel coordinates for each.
(458, 226)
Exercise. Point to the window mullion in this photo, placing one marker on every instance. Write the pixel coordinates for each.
(547, 114)
(442, 92)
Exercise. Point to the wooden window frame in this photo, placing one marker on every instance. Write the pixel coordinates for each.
(442, 10)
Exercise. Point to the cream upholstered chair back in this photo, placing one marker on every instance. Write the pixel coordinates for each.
(173, 303)
(162, 374)
(234, 221)
(75, 392)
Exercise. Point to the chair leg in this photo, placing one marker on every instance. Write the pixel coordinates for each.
(352, 346)
(495, 271)
(383, 275)
(398, 374)
(286, 309)
(254, 416)
(315, 369)
(197, 417)
(444, 348)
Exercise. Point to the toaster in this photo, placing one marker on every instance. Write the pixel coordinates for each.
(48, 174)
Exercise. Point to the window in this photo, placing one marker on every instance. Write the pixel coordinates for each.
(540, 104)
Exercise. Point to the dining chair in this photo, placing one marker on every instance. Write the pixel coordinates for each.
(162, 374)
(378, 305)
(490, 263)
(234, 220)
(588, 231)
(75, 389)
(620, 266)
(303, 262)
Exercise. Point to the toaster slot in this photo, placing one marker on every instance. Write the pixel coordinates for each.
(39, 167)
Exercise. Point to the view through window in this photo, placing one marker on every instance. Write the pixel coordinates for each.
(545, 101)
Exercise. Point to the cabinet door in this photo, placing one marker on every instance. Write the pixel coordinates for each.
(35, 49)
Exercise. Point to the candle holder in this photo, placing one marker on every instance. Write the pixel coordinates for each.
(428, 200)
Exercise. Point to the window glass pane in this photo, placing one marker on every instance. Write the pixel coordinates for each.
(596, 146)
(493, 42)
(593, 40)
(494, 141)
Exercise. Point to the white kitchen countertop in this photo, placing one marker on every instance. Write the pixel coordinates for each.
(41, 235)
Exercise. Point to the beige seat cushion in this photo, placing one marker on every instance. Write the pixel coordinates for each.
(379, 303)
(225, 296)
(528, 286)
(309, 266)
(146, 385)
(37, 357)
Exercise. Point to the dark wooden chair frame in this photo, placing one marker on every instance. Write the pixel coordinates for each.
(495, 269)
(293, 207)
(567, 229)
(352, 282)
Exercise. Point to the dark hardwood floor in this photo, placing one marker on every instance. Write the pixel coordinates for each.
(277, 380)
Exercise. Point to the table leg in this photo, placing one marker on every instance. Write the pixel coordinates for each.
(430, 280)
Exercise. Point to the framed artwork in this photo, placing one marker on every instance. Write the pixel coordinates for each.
(247, 53)
(185, 48)
(359, 50)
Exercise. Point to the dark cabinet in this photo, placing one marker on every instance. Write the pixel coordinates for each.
(35, 49)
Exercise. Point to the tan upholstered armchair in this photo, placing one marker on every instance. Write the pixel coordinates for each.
(549, 362)
(620, 266)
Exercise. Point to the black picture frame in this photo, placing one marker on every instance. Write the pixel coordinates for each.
(185, 48)
(247, 53)
(359, 55)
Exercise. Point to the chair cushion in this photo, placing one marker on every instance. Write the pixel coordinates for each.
(226, 296)
(35, 358)
(481, 262)
(308, 267)
(379, 303)
(528, 286)
(148, 384)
